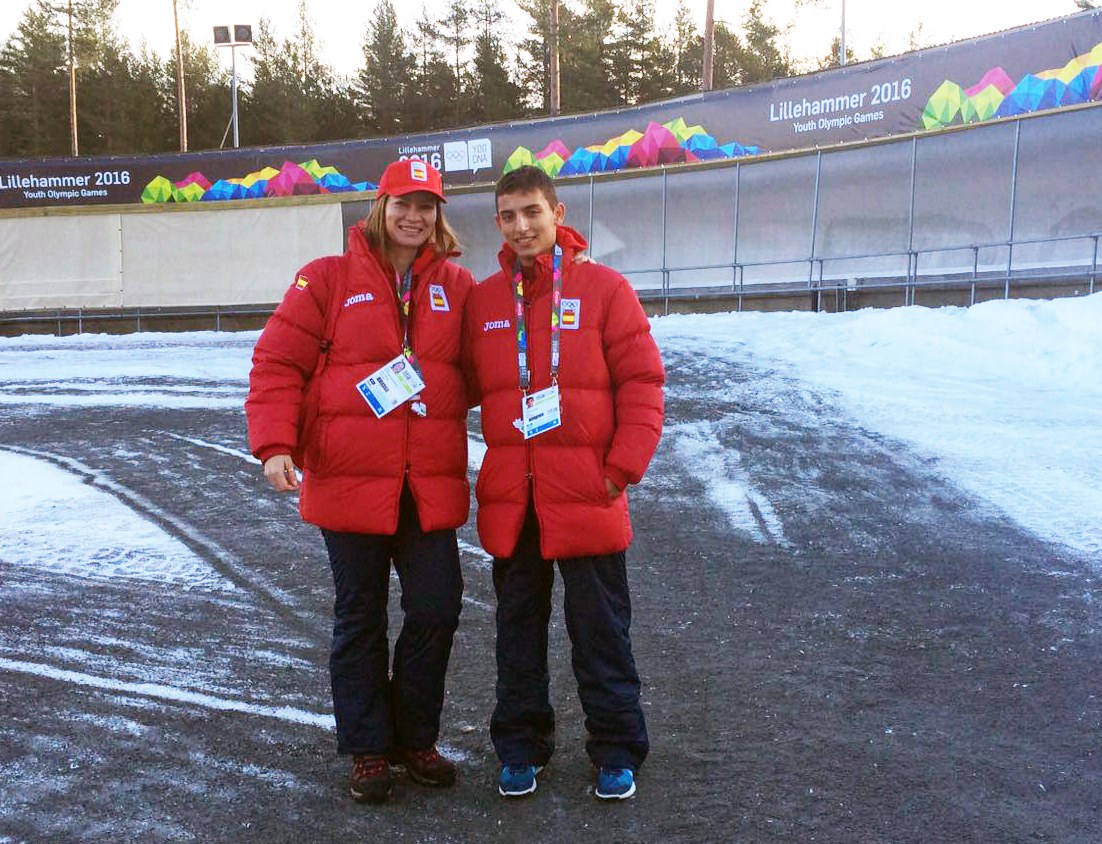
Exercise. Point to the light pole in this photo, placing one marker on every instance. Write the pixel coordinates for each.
(242, 37)
(843, 38)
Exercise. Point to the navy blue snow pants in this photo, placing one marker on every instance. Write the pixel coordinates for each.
(598, 617)
(377, 708)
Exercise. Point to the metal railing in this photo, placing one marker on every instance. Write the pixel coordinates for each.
(816, 280)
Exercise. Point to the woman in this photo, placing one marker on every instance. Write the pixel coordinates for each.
(386, 481)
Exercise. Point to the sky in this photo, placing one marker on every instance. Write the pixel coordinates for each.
(340, 25)
(1016, 427)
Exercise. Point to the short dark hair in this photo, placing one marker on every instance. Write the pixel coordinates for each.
(525, 179)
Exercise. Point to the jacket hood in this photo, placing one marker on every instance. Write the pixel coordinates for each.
(571, 241)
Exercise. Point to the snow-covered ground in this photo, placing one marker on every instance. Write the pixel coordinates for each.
(1005, 398)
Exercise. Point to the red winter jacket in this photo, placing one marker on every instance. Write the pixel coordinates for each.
(610, 382)
(356, 464)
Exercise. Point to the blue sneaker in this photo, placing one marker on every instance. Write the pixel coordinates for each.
(517, 780)
(615, 784)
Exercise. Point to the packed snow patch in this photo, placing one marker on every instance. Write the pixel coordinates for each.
(1006, 396)
(52, 520)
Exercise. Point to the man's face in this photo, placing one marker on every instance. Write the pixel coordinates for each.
(527, 222)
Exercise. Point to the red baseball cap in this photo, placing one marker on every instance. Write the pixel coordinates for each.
(409, 176)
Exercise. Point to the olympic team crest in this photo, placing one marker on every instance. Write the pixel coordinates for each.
(438, 299)
(571, 313)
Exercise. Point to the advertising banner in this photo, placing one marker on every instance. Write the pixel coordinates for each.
(1047, 66)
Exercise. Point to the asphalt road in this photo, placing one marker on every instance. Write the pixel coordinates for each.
(836, 645)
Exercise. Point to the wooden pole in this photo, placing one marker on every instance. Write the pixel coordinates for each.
(709, 47)
(181, 94)
(554, 88)
(72, 88)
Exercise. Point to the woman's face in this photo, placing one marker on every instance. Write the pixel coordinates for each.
(411, 219)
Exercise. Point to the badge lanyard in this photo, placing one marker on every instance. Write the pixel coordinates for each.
(556, 321)
(405, 295)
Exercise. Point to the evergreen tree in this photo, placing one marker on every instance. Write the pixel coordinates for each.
(382, 86)
(535, 64)
(688, 52)
(834, 57)
(293, 97)
(35, 106)
(495, 96)
(641, 65)
(455, 26)
(103, 76)
(728, 63)
(153, 118)
(586, 55)
(209, 102)
(762, 56)
(432, 89)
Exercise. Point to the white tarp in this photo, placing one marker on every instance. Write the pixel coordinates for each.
(62, 261)
(163, 258)
(223, 256)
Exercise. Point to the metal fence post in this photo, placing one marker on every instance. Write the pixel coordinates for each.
(735, 273)
(975, 272)
(911, 210)
(1013, 204)
(665, 269)
(814, 217)
(1094, 264)
(591, 214)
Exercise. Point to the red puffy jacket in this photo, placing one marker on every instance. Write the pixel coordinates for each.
(610, 382)
(355, 464)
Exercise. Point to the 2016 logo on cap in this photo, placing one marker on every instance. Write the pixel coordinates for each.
(417, 170)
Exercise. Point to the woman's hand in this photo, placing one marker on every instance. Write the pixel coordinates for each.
(280, 472)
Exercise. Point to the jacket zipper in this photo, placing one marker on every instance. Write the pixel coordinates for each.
(406, 449)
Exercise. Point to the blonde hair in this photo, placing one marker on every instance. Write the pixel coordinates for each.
(444, 238)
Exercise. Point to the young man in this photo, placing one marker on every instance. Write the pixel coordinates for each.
(570, 380)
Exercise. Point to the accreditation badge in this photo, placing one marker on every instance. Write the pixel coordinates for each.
(390, 385)
(540, 412)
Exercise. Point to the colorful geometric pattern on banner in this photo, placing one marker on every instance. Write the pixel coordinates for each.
(996, 94)
(668, 143)
(1006, 74)
(290, 180)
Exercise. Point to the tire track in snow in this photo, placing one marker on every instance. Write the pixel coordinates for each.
(223, 561)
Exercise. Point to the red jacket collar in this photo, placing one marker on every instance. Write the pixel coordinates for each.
(361, 247)
(572, 244)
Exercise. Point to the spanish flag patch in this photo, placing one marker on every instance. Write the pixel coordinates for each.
(302, 282)
(438, 299)
(571, 310)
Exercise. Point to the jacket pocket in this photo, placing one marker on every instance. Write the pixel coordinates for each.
(600, 492)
